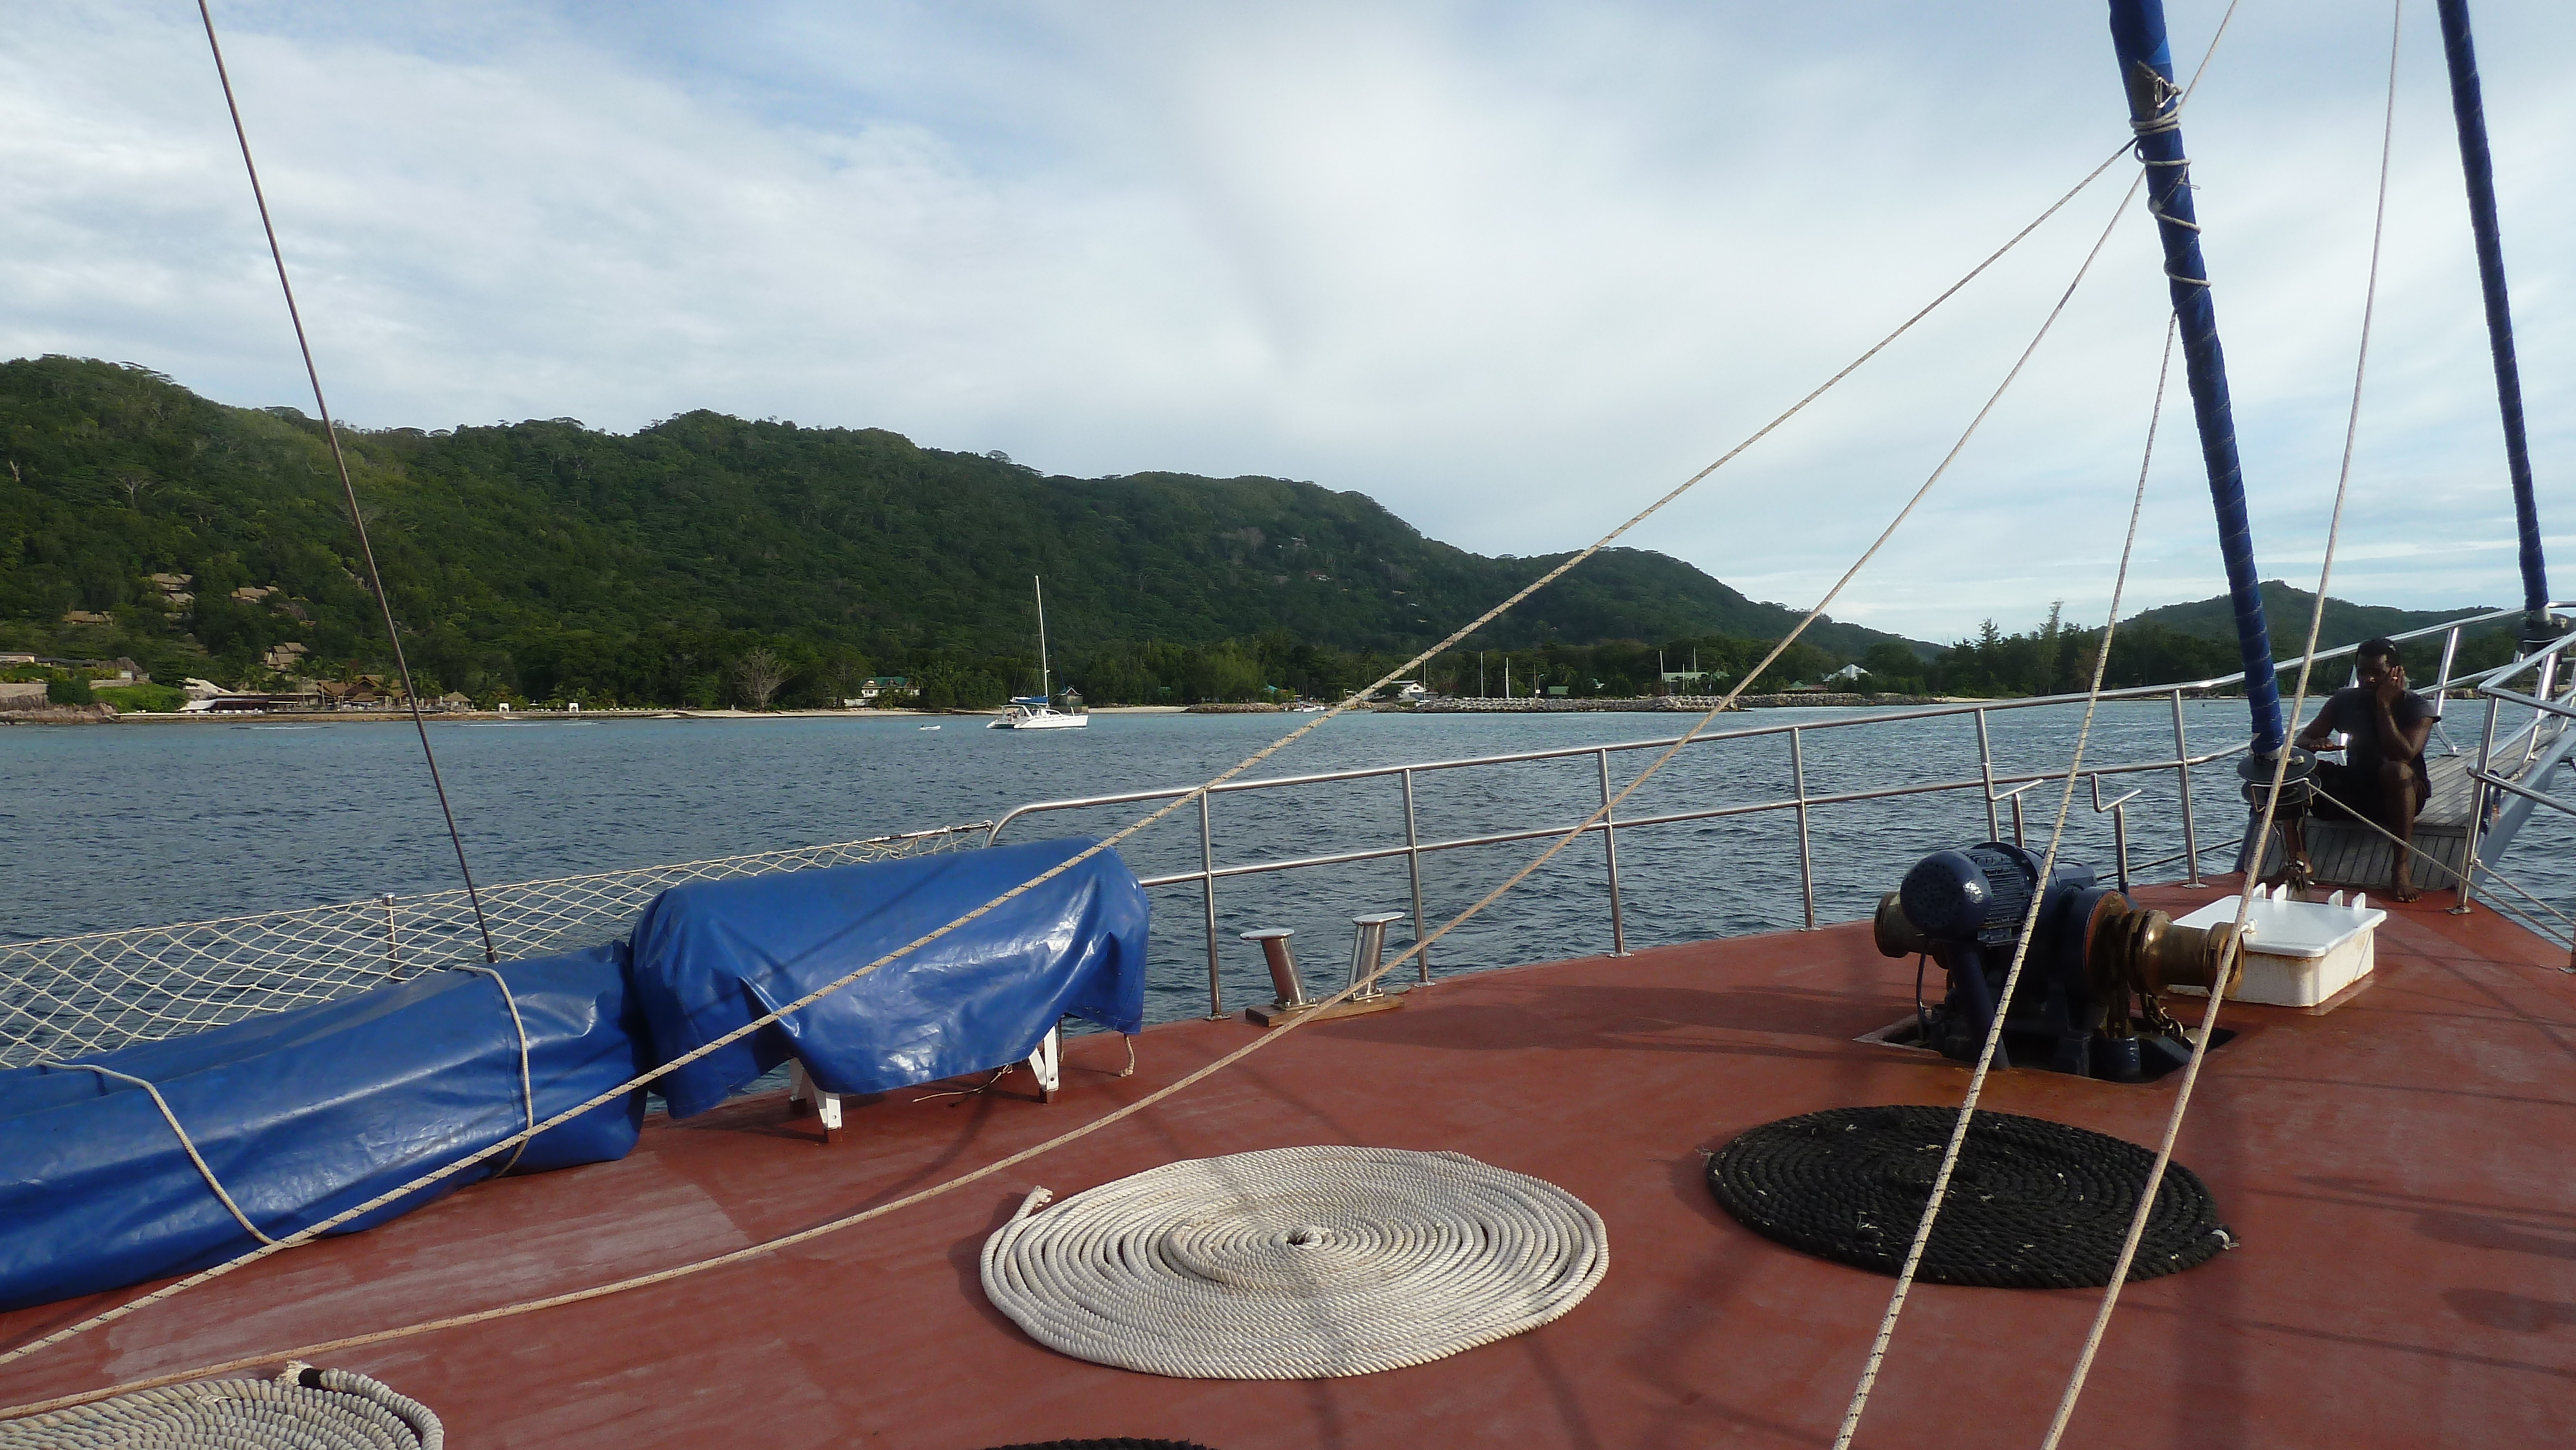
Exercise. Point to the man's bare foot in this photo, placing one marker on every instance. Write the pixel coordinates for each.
(2402, 889)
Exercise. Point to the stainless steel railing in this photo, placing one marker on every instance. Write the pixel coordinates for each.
(2503, 798)
(1999, 789)
(1995, 786)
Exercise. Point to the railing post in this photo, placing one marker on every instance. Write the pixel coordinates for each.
(2182, 775)
(1207, 898)
(2477, 814)
(393, 943)
(1610, 853)
(1985, 767)
(1806, 862)
(2119, 836)
(2546, 682)
(1413, 865)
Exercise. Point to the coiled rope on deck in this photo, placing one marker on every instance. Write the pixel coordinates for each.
(302, 1409)
(1295, 1263)
(2032, 1205)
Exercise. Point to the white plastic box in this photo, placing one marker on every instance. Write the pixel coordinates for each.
(2297, 953)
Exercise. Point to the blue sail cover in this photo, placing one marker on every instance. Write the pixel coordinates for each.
(301, 1115)
(711, 956)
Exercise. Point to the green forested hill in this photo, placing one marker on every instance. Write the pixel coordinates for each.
(547, 558)
(2286, 609)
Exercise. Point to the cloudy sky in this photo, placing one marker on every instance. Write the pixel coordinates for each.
(1510, 270)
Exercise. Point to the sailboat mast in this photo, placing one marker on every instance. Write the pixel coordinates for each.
(2155, 103)
(1046, 678)
(2477, 169)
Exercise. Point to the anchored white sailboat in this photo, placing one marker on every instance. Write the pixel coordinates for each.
(1038, 711)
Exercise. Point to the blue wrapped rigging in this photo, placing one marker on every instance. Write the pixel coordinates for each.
(301, 1115)
(2477, 170)
(2146, 71)
(713, 955)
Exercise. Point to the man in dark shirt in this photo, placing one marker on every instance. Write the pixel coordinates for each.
(2382, 777)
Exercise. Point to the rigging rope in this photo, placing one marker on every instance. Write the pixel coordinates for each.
(1958, 1140)
(1109, 842)
(190, 1144)
(349, 489)
(527, 1086)
(2202, 1037)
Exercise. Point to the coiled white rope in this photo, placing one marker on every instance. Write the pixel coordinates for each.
(302, 1409)
(1295, 1263)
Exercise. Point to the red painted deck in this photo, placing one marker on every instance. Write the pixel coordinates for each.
(2397, 1172)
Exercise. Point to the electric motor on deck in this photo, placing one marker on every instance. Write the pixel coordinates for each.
(2086, 1001)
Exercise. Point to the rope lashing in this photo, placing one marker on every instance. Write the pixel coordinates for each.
(527, 1095)
(2033, 1204)
(527, 1088)
(190, 1144)
(302, 1409)
(1295, 1263)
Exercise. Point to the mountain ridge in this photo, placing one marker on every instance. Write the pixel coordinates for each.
(545, 556)
(507, 544)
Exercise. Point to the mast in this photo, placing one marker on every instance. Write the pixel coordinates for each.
(1046, 679)
(2146, 72)
(2477, 169)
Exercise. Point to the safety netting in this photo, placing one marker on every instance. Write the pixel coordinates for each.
(66, 997)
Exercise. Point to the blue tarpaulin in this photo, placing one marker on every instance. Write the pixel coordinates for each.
(711, 956)
(301, 1115)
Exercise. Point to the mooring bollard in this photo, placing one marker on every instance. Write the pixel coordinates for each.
(1368, 948)
(1290, 991)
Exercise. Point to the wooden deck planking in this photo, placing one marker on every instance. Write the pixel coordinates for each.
(2345, 853)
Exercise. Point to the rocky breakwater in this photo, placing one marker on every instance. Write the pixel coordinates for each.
(24, 703)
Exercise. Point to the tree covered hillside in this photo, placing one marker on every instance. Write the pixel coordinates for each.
(546, 558)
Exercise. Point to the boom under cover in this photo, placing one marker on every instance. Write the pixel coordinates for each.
(301, 1115)
(711, 956)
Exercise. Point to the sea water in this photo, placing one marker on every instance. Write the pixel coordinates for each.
(148, 824)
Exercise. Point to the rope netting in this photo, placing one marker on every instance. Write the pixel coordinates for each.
(66, 997)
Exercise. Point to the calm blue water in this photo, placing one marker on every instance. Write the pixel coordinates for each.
(142, 825)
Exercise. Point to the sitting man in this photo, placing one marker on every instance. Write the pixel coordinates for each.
(2382, 777)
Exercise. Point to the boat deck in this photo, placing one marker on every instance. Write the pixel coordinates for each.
(2346, 853)
(2396, 1171)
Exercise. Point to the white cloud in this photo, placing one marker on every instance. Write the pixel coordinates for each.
(1511, 271)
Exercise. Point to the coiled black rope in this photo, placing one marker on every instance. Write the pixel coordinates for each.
(2032, 1205)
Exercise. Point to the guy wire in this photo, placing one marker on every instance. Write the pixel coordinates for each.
(348, 489)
